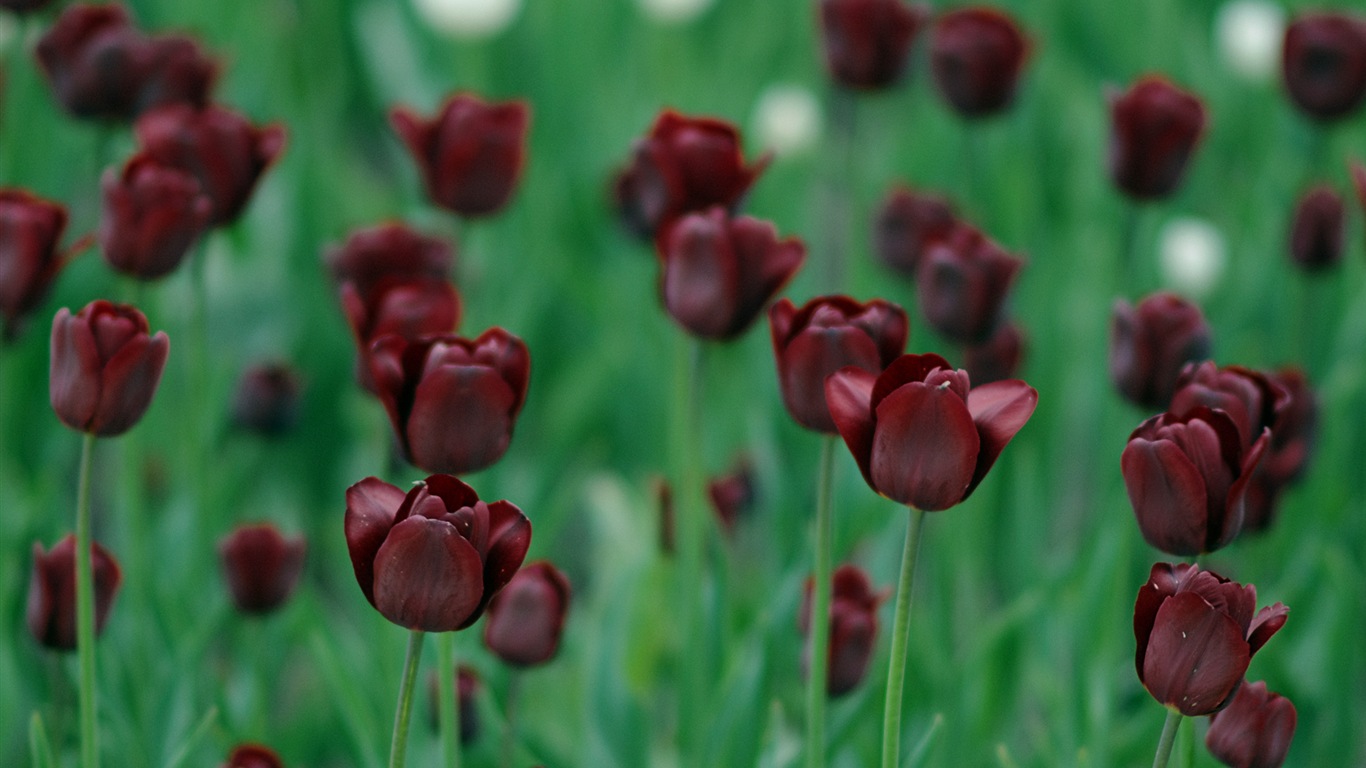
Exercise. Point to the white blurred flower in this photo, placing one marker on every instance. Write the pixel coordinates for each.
(468, 18)
(1192, 255)
(787, 119)
(1249, 34)
(674, 11)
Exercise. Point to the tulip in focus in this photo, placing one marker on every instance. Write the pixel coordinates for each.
(30, 254)
(976, 56)
(267, 399)
(261, 567)
(1249, 33)
(998, 358)
(105, 367)
(962, 283)
(1191, 254)
(526, 618)
(868, 42)
(1151, 343)
(253, 756)
(1254, 730)
(853, 628)
(51, 612)
(467, 685)
(1318, 233)
(152, 216)
(1323, 61)
(468, 18)
(907, 224)
(1154, 128)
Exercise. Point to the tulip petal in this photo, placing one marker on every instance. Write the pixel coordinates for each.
(509, 356)
(427, 576)
(128, 382)
(1167, 494)
(780, 320)
(925, 447)
(461, 419)
(848, 393)
(1236, 511)
(999, 410)
(509, 540)
(1163, 581)
(74, 371)
(701, 281)
(1196, 655)
(1268, 622)
(370, 508)
(809, 358)
(904, 370)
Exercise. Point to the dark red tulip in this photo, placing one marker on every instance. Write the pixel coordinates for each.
(997, 359)
(825, 335)
(470, 154)
(410, 308)
(868, 42)
(919, 436)
(467, 685)
(153, 213)
(976, 55)
(261, 567)
(1323, 60)
(30, 253)
(1154, 128)
(267, 399)
(433, 558)
(1319, 229)
(1292, 441)
(853, 628)
(1150, 343)
(686, 164)
(180, 72)
(105, 367)
(1251, 398)
(1254, 730)
(526, 619)
(253, 756)
(452, 402)
(962, 285)
(906, 225)
(96, 60)
(732, 495)
(388, 251)
(219, 147)
(51, 609)
(1196, 633)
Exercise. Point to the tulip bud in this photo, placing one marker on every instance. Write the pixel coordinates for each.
(1154, 128)
(732, 494)
(411, 308)
(261, 567)
(30, 255)
(51, 609)
(1323, 61)
(467, 685)
(962, 283)
(1319, 230)
(853, 628)
(180, 72)
(1254, 730)
(267, 399)
(96, 61)
(907, 224)
(527, 617)
(1292, 442)
(976, 55)
(1250, 398)
(152, 215)
(868, 42)
(1150, 344)
(105, 367)
(253, 756)
(997, 359)
(387, 251)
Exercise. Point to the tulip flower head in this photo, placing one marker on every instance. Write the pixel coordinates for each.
(388, 251)
(1251, 399)
(998, 358)
(253, 756)
(1254, 730)
(1154, 128)
(51, 612)
(30, 254)
(868, 42)
(152, 215)
(267, 399)
(1319, 229)
(1292, 443)
(105, 367)
(853, 628)
(962, 282)
(976, 55)
(261, 567)
(1151, 343)
(1323, 61)
(526, 618)
(907, 224)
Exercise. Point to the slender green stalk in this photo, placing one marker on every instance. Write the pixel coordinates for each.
(510, 718)
(896, 665)
(40, 750)
(85, 611)
(691, 521)
(1164, 744)
(839, 186)
(398, 746)
(448, 704)
(820, 611)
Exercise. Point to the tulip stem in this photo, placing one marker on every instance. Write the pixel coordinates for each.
(448, 702)
(85, 610)
(896, 665)
(398, 747)
(691, 521)
(839, 186)
(819, 626)
(1168, 739)
(1129, 272)
(510, 718)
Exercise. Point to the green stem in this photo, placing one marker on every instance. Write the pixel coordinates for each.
(820, 611)
(896, 665)
(1164, 744)
(510, 718)
(398, 746)
(838, 208)
(691, 518)
(85, 610)
(1130, 272)
(448, 704)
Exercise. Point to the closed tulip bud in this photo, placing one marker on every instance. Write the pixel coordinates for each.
(1323, 61)
(470, 154)
(410, 308)
(1151, 343)
(1154, 128)
(732, 495)
(372, 255)
(1319, 230)
(1254, 730)
(267, 399)
(452, 402)
(1250, 398)
(868, 42)
(825, 335)
(433, 558)
(906, 225)
(152, 215)
(253, 756)
(853, 628)
(219, 147)
(467, 686)
(527, 617)
(51, 612)
(96, 61)
(1196, 633)
(180, 72)
(997, 359)
(962, 284)
(686, 164)
(1292, 443)
(976, 55)
(919, 436)
(105, 367)
(30, 254)
(261, 567)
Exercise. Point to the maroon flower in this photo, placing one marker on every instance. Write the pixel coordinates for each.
(962, 285)
(1150, 344)
(853, 628)
(1319, 229)
(998, 358)
(1154, 129)
(868, 42)
(976, 55)
(467, 685)
(51, 609)
(825, 335)
(1254, 730)
(1196, 633)
(97, 61)
(180, 72)
(527, 617)
(261, 567)
(1249, 397)
(253, 756)
(153, 213)
(105, 367)
(410, 308)
(452, 402)
(686, 164)
(1292, 441)
(219, 147)
(732, 494)
(920, 437)
(372, 255)
(719, 271)
(906, 225)
(267, 399)
(432, 559)
(1323, 60)
(30, 253)
(470, 154)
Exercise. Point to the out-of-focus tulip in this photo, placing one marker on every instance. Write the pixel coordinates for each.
(1249, 34)
(152, 214)
(1196, 633)
(732, 494)
(1292, 443)
(853, 628)
(1319, 230)
(1254, 730)
(30, 253)
(470, 154)
(527, 617)
(410, 308)
(468, 18)
(253, 756)
(825, 335)
(1150, 343)
(51, 611)
(976, 55)
(868, 42)
(1191, 253)
(105, 367)
(788, 119)
(180, 72)
(452, 402)
(433, 558)
(1323, 61)
(267, 399)
(388, 251)
(919, 436)
(719, 272)
(24, 6)
(261, 567)
(906, 225)
(467, 685)
(1154, 128)
(686, 164)
(998, 358)
(1252, 399)
(962, 283)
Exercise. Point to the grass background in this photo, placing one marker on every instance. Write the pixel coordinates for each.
(1021, 650)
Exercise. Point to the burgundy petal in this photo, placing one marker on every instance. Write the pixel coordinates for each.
(461, 419)
(1167, 494)
(998, 410)
(371, 505)
(74, 374)
(904, 370)
(1268, 622)
(925, 447)
(848, 394)
(427, 576)
(1196, 656)
(128, 382)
